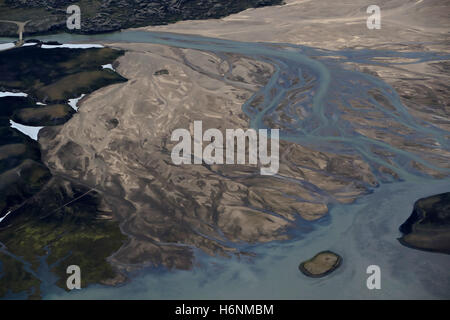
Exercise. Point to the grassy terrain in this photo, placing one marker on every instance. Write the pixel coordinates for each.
(44, 116)
(73, 234)
(45, 221)
(56, 75)
(74, 85)
(16, 279)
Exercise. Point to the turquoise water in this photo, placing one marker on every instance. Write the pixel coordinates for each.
(363, 233)
(332, 85)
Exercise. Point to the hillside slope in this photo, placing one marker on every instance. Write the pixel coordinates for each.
(111, 15)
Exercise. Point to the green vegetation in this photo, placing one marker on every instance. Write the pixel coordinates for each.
(50, 217)
(23, 173)
(72, 234)
(50, 75)
(44, 116)
(16, 279)
(56, 75)
(74, 85)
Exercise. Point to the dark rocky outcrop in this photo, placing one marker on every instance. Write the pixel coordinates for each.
(428, 227)
(111, 15)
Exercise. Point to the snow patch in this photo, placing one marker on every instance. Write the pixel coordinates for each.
(108, 66)
(71, 46)
(12, 94)
(30, 131)
(74, 102)
(7, 214)
(5, 46)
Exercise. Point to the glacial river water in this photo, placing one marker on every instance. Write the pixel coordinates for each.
(364, 233)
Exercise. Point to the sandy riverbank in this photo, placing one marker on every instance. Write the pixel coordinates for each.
(119, 142)
(329, 24)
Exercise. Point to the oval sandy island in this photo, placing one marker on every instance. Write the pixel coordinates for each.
(321, 264)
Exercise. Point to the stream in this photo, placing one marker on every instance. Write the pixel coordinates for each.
(304, 98)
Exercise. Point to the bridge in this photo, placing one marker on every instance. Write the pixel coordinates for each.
(20, 29)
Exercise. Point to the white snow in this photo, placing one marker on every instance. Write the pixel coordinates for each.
(40, 104)
(30, 131)
(5, 46)
(7, 214)
(73, 102)
(108, 66)
(72, 46)
(28, 44)
(12, 94)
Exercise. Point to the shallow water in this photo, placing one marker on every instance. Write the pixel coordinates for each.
(323, 85)
(363, 233)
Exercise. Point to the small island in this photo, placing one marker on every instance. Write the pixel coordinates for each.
(428, 227)
(321, 264)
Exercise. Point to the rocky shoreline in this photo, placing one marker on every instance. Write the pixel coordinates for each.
(105, 150)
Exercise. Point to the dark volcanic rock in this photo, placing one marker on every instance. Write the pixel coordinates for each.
(161, 72)
(321, 264)
(111, 15)
(8, 29)
(428, 227)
